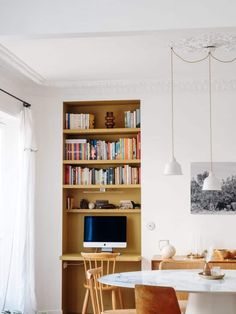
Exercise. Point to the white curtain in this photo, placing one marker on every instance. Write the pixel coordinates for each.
(19, 291)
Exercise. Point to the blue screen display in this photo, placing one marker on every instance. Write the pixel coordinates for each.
(105, 228)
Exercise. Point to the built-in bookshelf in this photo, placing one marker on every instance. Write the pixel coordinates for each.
(99, 163)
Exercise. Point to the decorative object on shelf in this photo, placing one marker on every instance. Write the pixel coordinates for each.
(99, 203)
(104, 204)
(84, 204)
(213, 202)
(172, 167)
(126, 204)
(167, 250)
(109, 120)
(91, 205)
(136, 205)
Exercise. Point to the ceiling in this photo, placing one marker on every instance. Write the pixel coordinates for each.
(144, 56)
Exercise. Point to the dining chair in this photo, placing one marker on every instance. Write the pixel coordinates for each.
(107, 263)
(156, 300)
(175, 264)
(96, 293)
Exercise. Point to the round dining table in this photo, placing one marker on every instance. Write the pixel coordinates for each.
(205, 296)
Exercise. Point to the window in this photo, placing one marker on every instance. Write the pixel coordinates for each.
(9, 167)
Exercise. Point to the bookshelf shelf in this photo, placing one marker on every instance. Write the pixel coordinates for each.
(103, 162)
(84, 146)
(103, 131)
(103, 211)
(108, 186)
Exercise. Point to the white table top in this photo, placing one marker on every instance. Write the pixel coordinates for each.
(180, 280)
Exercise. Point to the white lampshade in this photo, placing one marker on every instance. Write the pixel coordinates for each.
(172, 168)
(211, 183)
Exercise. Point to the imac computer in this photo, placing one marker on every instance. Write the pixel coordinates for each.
(105, 232)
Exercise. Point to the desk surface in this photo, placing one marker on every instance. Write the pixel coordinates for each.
(180, 280)
(122, 258)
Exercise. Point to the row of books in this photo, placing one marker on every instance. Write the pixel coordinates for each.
(79, 121)
(132, 119)
(75, 175)
(86, 120)
(83, 149)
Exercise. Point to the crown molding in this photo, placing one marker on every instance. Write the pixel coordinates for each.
(13, 61)
(143, 86)
(14, 68)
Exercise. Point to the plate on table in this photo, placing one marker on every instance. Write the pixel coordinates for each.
(211, 277)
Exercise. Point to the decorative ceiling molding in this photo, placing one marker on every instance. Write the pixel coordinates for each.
(222, 41)
(12, 60)
(144, 86)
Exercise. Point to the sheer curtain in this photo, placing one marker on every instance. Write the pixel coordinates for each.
(18, 291)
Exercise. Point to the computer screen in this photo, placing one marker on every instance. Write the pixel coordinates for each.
(105, 231)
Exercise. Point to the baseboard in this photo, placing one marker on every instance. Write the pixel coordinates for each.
(49, 312)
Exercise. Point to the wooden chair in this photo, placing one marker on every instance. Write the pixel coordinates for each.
(156, 300)
(107, 262)
(96, 292)
(175, 264)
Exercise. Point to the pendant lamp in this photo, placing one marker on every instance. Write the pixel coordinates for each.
(211, 183)
(172, 167)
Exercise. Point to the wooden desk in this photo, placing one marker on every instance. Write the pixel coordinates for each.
(122, 258)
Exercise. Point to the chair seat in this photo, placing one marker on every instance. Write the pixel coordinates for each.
(182, 305)
(128, 311)
(104, 288)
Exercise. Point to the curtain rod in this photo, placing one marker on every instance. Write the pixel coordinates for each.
(25, 104)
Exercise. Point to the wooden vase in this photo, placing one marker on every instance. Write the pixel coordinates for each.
(109, 120)
(206, 269)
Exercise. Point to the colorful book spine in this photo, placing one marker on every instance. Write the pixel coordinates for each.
(75, 175)
(83, 149)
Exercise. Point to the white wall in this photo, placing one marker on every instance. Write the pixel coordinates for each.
(166, 200)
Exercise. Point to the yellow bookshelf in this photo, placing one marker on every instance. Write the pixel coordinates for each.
(72, 241)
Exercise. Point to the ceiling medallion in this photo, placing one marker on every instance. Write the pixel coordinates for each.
(221, 41)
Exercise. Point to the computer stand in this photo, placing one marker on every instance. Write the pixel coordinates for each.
(106, 249)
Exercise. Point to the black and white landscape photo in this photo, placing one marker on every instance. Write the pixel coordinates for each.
(213, 202)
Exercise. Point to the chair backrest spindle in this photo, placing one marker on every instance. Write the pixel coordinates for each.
(105, 261)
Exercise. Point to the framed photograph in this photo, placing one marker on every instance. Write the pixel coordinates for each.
(213, 202)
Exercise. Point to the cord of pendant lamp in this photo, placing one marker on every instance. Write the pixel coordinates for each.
(210, 109)
(172, 167)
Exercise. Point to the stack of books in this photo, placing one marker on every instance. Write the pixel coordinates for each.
(79, 121)
(132, 119)
(83, 149)
(75, 175)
